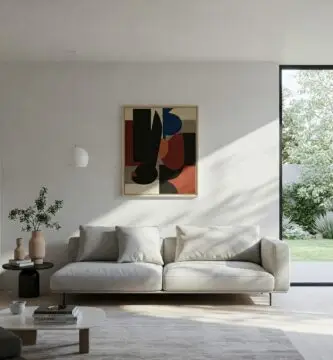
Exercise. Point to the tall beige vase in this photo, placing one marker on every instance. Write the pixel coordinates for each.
(37, 247)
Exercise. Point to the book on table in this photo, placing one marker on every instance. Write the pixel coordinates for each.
(56, 314)
(56, 309)
(25, 265)
(67, 321)
(21, 263)
(16, 262)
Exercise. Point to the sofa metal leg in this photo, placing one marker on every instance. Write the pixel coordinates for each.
(64, 299)
(270, 299)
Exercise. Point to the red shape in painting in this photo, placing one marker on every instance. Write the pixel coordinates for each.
(174, 158)
(129, 161)
(164, 148)
(185, 182)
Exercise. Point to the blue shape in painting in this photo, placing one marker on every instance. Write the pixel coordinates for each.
(171, 123)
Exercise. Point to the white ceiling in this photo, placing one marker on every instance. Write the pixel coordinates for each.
(283, 31)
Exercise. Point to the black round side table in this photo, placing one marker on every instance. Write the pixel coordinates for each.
(29, 278)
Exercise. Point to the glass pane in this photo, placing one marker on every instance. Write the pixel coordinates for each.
(307, 172)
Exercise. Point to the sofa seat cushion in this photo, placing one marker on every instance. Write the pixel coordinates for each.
(106, 277)
(216, 276)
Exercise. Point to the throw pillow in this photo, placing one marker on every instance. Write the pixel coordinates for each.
(97, 243)
(139, 244)
(218, 243)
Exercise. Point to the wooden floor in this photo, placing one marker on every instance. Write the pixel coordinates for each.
(304, 314)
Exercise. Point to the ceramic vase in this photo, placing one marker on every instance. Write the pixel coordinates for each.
(37, 247)
(19, 252)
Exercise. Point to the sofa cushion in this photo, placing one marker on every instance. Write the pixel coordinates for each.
(240, 243)
(169, 249)
(73, 248)
(106, 277)
(139, 244)
(216, 276)
(10, 344)
(97, 243)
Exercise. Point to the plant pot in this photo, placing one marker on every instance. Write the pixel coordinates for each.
(37, 247)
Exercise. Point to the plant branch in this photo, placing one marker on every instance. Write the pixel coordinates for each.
(39, 214)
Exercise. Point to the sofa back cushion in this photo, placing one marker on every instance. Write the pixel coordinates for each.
(169, 249)
(139, 244)
(73, 248)
(239, 243)
(97, 243)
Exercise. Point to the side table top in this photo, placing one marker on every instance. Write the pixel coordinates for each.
(44, 266)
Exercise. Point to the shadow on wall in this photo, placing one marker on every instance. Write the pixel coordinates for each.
(238, 184)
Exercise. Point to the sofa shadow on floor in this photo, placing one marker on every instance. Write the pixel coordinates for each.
(163, 299)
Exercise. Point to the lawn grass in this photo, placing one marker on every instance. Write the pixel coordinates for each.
(311, 250)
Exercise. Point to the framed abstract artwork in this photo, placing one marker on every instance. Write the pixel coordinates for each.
(160, 150)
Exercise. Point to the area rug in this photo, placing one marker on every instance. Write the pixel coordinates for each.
(127, 335)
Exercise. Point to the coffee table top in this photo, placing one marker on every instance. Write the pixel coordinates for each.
(90, 317)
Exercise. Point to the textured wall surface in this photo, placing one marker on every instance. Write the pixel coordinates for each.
(47, 108)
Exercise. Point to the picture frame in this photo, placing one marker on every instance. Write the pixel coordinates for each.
(160, 150)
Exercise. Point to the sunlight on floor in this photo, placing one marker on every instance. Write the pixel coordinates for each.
(296, 321)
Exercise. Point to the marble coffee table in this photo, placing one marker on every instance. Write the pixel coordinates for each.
(23, 325)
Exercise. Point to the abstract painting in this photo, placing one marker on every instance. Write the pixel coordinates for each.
(160, 150)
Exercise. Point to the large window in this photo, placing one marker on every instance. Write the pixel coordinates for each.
(306, 96)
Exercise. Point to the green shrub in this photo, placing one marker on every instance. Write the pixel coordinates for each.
(293, 231)
(324, 225)
(286, 223)
(301, 208)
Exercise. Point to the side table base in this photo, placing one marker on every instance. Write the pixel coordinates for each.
(28, 283)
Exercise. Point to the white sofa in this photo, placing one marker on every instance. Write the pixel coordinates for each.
(263, 268)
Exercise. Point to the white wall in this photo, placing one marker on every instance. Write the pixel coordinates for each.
(47, 108)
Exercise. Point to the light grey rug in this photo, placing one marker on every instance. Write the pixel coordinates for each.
(128, 336)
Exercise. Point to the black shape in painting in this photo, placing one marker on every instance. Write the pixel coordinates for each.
(167, 188)
(190, 156)
(146, 144)
(166, 174)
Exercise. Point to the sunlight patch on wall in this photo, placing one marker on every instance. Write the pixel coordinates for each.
(237, 184)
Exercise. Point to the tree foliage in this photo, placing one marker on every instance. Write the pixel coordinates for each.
(308, 137)
(289, 133)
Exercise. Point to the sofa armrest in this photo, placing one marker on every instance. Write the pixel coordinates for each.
(275, 258)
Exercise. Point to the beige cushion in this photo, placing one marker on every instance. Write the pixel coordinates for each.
(139, 244)
(218, 243)
(103, 277)
(97, 243)
(216, 276)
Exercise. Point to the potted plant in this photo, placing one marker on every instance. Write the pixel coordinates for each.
(35, 217)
